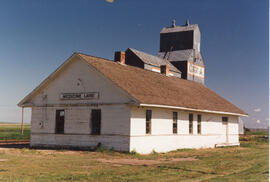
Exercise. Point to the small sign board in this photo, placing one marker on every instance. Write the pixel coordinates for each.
(195, 70)
(79, 96)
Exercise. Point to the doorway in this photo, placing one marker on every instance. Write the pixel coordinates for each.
(96, 121)
(225, 122)
(60, 121)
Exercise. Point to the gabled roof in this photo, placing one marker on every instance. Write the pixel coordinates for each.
(153, 60)
(154, 89)
(182, 55)
(23, 103)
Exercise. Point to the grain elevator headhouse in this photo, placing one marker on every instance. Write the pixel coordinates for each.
(181, 46)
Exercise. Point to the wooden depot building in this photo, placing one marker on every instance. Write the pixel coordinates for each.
(137, 102)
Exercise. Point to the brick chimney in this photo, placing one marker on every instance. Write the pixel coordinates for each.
(120, 56)
(164, 69)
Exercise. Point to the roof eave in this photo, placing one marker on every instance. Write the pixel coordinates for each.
(27, 97)
(26, 105)
(191, 109)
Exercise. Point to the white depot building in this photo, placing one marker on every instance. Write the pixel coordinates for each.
(138, 102)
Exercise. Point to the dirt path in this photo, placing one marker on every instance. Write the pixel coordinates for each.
(144, 162)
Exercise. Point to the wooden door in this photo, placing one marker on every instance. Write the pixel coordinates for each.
(96, 121)
(225, 122)
(60, 121)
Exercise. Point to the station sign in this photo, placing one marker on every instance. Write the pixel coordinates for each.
(79, 96)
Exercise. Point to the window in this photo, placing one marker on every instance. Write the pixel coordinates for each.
(60, 121)
(190, 123)
(175, 118)
(224, 120)
(199, 121)
(96, 121)
(148, 121)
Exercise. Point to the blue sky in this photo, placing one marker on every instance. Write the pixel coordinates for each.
(36, 36)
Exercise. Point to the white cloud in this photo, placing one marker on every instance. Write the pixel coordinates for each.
(258, 121)
(257, 110)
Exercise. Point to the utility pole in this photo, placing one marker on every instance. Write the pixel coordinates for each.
(22, 127)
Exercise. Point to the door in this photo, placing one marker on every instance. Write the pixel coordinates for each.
(96, 121)
(225, 122)
(60, 121)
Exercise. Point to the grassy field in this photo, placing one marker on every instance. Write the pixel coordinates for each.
(249, 162)
(9, 131)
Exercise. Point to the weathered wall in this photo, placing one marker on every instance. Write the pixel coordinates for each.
(79, 77)
(115, 114)
(119, 143)
(195, 78)
(162, 138)
(115, 127)
(133, 60)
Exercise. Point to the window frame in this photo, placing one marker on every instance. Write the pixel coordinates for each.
(96, 130)
(175, 122)
(199, 124)
(190, 126)
(148, 121)
(57, 121)
(225, 120)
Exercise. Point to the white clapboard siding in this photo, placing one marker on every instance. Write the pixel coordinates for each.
(78, 77)
(162, 139)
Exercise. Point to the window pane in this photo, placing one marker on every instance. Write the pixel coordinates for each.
(148, 115)
(190, 123)
(225, 119)
(60, 122)
(175, 118)
(148, 121)
(199, 124)
(96, 121)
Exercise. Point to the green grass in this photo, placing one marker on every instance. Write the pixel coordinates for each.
(249, 162)
(13, 132)
(258, 132)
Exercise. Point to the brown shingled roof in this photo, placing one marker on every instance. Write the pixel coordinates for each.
(148, 87)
